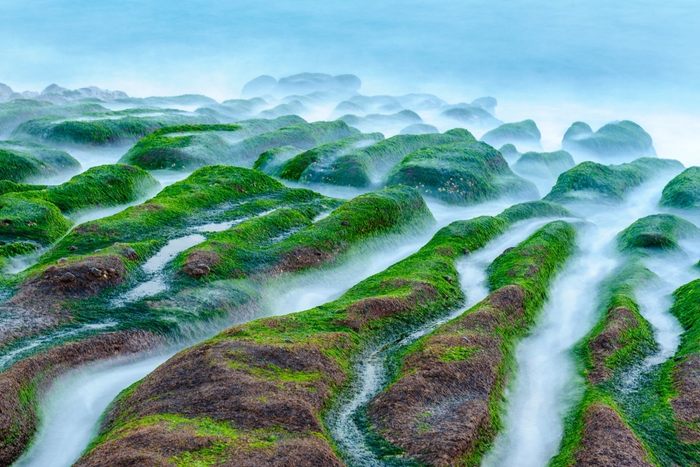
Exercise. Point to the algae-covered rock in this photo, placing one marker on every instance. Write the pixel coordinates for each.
(658, 231)
(61, 161)
(363, 167)
(298, 168)
(233, 110)
(18, 111)
(373, 121)
(302, 135)
(419, 129)
(593, 182)
(6, 186)
(189, 147)
(510, 153)
(17, 166)
(106, 128)
(487, 103)
(292, 108)
(375, 104)
(683, 192)
(460, 173)
(523, 133)
(28, 216)
(616, 141)
(472, 115)
(544, 164)
(271, 160)
(105, 185)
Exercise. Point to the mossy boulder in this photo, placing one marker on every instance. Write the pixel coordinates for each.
(683, 192)
(616, 141)
(487, 103)
(189, 147)
(271, 160)
(544, 164)
(17, 111)
(523, 133)
(460, 173)
(302, 135)
(373, 121)
(472, 115)
(510, 153)
(61, 161)
(590, 181)
(106, 128)
(658, 231)
(7, 186)
(295, 169)
(28, 216)
(105, 185)
(419, 129)
(366, 166)
(21, 163)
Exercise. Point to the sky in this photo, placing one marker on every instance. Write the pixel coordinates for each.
(596, 57)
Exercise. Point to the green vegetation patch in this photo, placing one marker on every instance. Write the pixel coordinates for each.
(590, 181)
(460, 173)
(544, 164)
(525, 132)
(658, 231)
(623, 138)
(683, 192)
(361, 167)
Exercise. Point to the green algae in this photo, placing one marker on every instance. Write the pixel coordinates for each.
(683, 192)
(590, 181)
(525, 132)
(460, 173)
(361, 167)
(189, 147)
(544, 164)
(623, 138)
(659, 231)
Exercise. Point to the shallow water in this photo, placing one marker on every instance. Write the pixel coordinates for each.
(547, 384)
(372, 372)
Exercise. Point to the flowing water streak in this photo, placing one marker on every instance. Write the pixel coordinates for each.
(105, 384)
(547, 383)
(373, 373)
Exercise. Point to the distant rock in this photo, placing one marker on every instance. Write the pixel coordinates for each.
(372, 121)
(5, 92)
(544, 164)
(487, 103)
(523, 133)
(614, 142)
(420, 101)
(57, 94)
(302, 83)
(419, 129)
(259, 86)
(510, 152)
(472, 115)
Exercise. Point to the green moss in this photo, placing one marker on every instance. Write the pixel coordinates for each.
(301, 135)
(7, 186)
(360, 167)
(58, 160)
(371, 121)
(296, 168)
(457, 354)
(590, 181)
(544, 164)
(659, 231)
(16, 166)
(20, 110)
(105, 185)
(472, 115)
(105, 128)
(460, 173)
(683, 192)
(623, 138)
(525, 132)
(189, 147)
(533, 209)
(271, 160)
(27, 216)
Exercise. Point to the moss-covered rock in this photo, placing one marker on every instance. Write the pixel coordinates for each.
(419, 129)
(17, 111)
(590, 181)
(472, 115)
(658, 231)
(105, 128)
(189, 147)
(28, 216)
(298, 362)
(271, 160)
(18, 166)
(291, 108)
(544, 164)
(322, 156)
(510, 153)
(61, 161)
(612, 142)
(7, 186)
(302, 135)
(373, 121)
(523, 133)
(462, 365)
(105, 185)
(460, 173)
(366, 166)
(683, 192)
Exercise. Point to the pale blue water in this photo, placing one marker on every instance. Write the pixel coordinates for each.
(596, 49)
